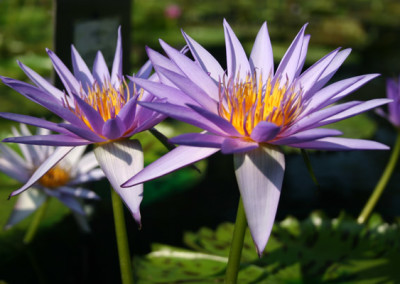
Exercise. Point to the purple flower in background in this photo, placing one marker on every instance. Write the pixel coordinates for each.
(250, 110)
(393, 93)
(62, 181)
(98, 108)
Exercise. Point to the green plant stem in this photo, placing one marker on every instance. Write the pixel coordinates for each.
(309, 166)
(34, 225)
(235, 253)
(376, 194)
(122, 239)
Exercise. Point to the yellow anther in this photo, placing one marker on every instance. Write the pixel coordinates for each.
(105, 99)
(54, 178)
(246, 103)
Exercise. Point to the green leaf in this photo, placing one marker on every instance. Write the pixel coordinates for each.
(315, 250)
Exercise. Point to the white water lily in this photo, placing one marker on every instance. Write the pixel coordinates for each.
(62, 181)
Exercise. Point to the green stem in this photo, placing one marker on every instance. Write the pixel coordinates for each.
(376, 194)
(235, 253)
(309, 167)
(122, 239)
(34, 225)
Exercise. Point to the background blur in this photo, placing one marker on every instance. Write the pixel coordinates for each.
(186, 200)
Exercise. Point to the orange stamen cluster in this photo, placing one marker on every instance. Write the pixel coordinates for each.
(105, 99)
(247, 103)
(54, 178)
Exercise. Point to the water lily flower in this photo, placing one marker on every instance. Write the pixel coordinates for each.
(98, 108)
(62, 181)
(393, 93)
(249, 110)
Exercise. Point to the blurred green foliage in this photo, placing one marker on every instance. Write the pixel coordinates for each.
(316, 250)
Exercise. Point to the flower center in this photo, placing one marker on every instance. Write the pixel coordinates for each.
(247, 103)
(54, 178)
(106, 100)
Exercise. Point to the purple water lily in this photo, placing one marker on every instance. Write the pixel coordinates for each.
(62, 181)
(250, 110)
(393, 93)
(98, 108)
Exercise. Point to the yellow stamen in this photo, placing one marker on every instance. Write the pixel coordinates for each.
(247, 103)
(105, 99)
(54, 178)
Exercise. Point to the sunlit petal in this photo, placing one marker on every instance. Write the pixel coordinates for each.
(259, 174)
(119, 161)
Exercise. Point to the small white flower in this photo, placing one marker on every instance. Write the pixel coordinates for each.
(62, 181)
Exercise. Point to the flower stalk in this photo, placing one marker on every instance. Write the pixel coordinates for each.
(380, 187)
(34, 225)
(122, 239)
(235, 253)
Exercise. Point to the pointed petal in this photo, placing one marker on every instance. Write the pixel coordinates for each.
(173, 95)
(28, 202)
(151, 121)
(11, 156)
(236, 58)
(116, 72)
(51, 161)
(128, 112)
(81, 71)
(312, 74)
(32, 151)
(308, 135)
(119, 161)
(51, 140)
(41, 82)
(184, 114)
(362, 107)
(87, 163)
(71, 202)
(83, 133)
(220, 122)
(331, 69)
(145, 70)
(113, 128)
(33, 121)
(303, 55)
(93, 175)
(29, 91)
(191, 89)
(314, 118)
(159, 60)
(356, 86)
(261, 57)
(69, 81)
(177, 158)
(341, 144)
(323, 97)
(12, 170)
(259, 174)
(237, 145)
(93, 117)
(78, 192)
(198, 140)
(207, 62)
(265, 131)
(75, 155)
(193, 71)
(40, 97)
(100, 69)
(288, 65)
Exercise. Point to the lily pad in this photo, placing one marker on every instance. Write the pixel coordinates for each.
(315, 250)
